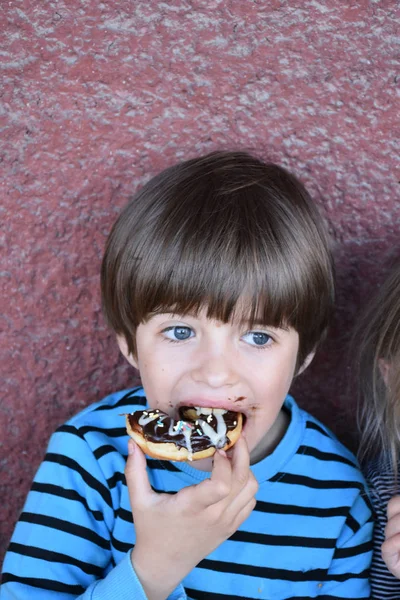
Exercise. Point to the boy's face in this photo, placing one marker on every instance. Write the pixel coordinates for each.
(193, 360)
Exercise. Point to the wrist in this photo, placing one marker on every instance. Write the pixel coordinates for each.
(158, 579)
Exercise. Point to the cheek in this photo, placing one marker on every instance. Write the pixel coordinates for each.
(157, 383)
(275, 382)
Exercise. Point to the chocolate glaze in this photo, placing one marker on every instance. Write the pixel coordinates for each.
(157, 429)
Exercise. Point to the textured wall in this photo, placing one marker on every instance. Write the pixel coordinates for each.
(97, 97)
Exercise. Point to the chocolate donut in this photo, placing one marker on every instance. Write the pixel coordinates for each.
(197, 434)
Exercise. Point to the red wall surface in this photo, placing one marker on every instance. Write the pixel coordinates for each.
(97, 97)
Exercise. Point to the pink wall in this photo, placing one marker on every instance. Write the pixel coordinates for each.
(97, 97)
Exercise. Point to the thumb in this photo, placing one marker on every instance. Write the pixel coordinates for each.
(136, 476)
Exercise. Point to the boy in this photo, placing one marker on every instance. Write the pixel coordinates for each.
(217, 280)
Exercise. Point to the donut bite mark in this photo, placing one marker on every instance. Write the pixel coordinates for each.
(197, 434)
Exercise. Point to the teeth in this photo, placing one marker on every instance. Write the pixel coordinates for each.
(203, 411)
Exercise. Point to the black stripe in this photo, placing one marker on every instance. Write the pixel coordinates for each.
(115, 479)
(61, 525)
(200, 595)
(121, 546)
(91, 481)
(55, 490)
(113, 432)
(328, 597)
(44, 584)
(320, 484)
(164, 465)
(124, 515)
(69, 429)
(325, 456)
(312, 425)
(56, 557)
(282, 540)
(291, 509)
(82, 431)
(125, 401)
(263, 572)
(103, 450)
(283, 574)
(352, 523)
(157, 491)
(354, 550)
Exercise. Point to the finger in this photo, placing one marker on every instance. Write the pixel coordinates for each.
(390, 554)
(393, 507)
(222, 469)
(136, 476)
(245, 495)
(392, 526)
(213, 490)
(244, 513)
(240, 465)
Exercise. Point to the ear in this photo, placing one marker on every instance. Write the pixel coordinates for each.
(306, 363)
(123, 346)
(384, 368)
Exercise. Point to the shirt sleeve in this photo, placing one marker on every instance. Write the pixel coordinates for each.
(348, 575)
(61, 546)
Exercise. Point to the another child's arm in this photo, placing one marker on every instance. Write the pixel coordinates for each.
(384, 582)
(174, 533)
(391, 546)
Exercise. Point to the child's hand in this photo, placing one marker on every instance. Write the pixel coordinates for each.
(391, 546)
(175, 532)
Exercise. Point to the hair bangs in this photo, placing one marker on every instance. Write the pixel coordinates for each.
(241, 286)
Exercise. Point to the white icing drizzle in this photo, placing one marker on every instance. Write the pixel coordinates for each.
(182, 428)
(217, 438)
(147, 417)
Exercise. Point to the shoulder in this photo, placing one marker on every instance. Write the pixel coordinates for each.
(326, 454)
(102, 424)
(110, 409)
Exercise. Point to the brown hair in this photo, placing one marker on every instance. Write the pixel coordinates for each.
(213, 230)
(377, 339)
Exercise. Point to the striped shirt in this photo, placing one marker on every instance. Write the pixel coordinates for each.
(384, 585)
(309, 535)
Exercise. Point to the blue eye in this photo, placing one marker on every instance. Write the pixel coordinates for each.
(257, 338)
(178, 333)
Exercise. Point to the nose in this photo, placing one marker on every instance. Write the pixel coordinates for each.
(215, 367)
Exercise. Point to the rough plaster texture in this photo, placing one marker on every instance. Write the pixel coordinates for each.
(97, 97)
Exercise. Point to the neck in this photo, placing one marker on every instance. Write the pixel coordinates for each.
(272, 438)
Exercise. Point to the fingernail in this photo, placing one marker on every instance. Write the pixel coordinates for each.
(131, 447)
(222, 452)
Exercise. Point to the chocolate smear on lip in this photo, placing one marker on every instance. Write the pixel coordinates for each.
(157, 429)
